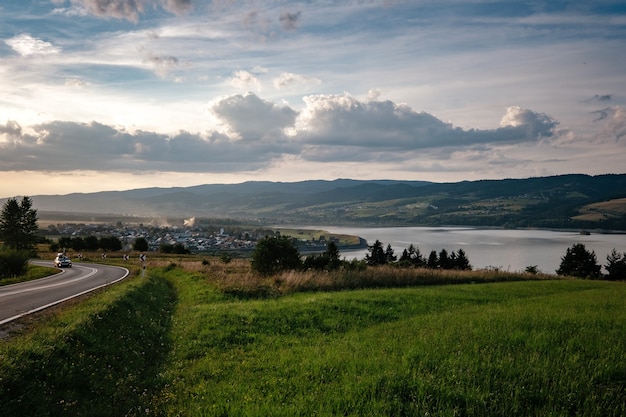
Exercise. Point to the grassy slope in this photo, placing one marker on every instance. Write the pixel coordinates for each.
(98, 358)
(172, 344)
(527, 348)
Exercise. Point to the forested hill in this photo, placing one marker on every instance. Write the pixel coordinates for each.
(566, 201)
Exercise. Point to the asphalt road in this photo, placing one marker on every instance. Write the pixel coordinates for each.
(18, 300)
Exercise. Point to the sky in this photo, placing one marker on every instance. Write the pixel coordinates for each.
(121, 94)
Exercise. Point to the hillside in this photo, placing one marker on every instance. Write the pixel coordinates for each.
(566, 201)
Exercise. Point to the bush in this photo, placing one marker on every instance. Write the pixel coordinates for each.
(13, 262)
(177, 248)
(275, 254)
(327, 261)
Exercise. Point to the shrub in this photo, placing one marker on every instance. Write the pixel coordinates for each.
(13, 262)
(275, 254)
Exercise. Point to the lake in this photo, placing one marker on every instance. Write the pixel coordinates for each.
(511, 250)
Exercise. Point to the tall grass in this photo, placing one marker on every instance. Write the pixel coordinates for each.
(237, 278)
(390, 277)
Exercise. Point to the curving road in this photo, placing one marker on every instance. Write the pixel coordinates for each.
(18, 300)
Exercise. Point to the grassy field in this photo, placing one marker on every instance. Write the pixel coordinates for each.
(182, 342)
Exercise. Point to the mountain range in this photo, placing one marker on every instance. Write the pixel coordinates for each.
(565, 201)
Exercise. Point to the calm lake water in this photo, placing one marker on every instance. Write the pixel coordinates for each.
(511, 250)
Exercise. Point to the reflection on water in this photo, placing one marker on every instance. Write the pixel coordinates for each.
(512, 250)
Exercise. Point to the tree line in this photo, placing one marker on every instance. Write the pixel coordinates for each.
(88, 243)
(412, 257)
(275, 254)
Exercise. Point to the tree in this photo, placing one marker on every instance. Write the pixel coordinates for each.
(91, 243)
(140, 244)
(177, 248)
(275, 254)
(329, 260)
(416, 256)
(110, 243)
(616, 266)
(532, 269)
(433, 260)
(389, 255)
(78, 243)
(461, 262)
(65, 242)
(376, 255)
(18, 224)
(318, 262)
(332, 253)
(444, 260)
(579, 262)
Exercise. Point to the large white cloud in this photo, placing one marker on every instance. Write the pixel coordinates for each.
(344, 120)
(251, 118)
(335, 128)
(26, 45)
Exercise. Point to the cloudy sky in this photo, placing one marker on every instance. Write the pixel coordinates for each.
(121, 94)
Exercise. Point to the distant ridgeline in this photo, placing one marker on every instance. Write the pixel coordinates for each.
(566, 201)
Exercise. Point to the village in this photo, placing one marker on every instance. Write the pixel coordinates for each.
(193, 238)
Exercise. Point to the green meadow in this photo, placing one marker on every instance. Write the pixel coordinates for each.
(175, 343)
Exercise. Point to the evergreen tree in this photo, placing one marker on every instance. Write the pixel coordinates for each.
(433, 260)
(461, 262)
(18, 224)
(416, 256)
(444, 260)
(616, 266)
(389, 255)
(332, 254)
(579, 262)
(376, 255)
(329, 260)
